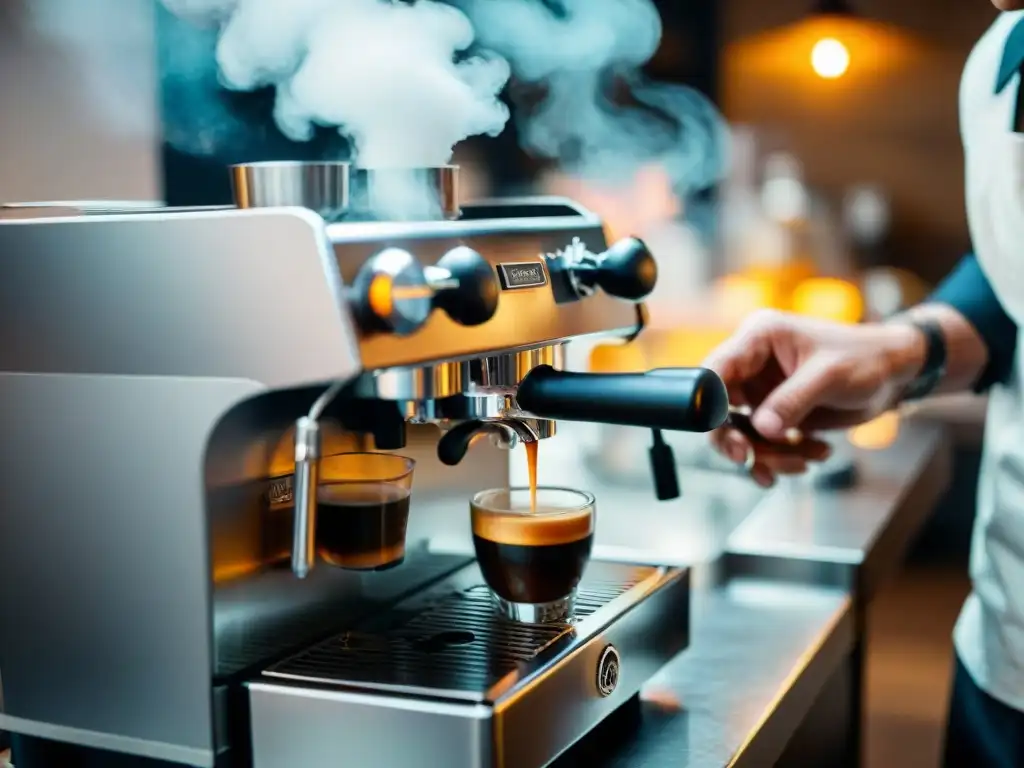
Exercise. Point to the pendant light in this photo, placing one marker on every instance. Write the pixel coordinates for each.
(830, 56)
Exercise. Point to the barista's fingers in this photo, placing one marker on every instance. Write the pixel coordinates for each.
(828, 419)
(731, 444)
(796, 397)
(815, 450)
(782, 464)
(762, 475)
(743, 356)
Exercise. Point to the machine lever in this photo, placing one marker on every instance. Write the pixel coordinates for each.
(627, 270)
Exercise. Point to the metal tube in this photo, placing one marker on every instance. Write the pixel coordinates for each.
(307, 473)
(306, 480)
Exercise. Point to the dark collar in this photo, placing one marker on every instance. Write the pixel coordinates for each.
(1013, 56)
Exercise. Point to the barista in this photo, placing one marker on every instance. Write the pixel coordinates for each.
(799, 373)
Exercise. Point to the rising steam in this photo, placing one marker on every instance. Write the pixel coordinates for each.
(404, 82)
(390, 76)
(576, 49)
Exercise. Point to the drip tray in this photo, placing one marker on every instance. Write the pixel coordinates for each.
(449, 638)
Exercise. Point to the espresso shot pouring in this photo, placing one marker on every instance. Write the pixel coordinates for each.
(532, 456)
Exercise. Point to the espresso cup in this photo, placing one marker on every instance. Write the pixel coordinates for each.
(532, 556)
(363, 510)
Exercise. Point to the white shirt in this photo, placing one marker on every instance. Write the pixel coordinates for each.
(989, 634)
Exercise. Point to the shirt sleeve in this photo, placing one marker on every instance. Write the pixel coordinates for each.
(968, 291)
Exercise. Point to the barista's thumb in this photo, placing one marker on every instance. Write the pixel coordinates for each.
(793, 400)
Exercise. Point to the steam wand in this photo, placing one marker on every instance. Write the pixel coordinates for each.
(307, 476)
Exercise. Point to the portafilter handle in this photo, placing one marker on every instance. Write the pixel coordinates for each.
(679, 399)
(307, 476)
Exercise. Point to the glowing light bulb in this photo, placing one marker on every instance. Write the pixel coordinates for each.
(829, 58)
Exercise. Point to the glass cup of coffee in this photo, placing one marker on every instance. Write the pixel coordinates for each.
(363, 510)
(532, 554)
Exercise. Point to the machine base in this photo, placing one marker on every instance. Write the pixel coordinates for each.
(442, 679)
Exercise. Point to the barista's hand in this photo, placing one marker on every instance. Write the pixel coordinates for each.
(798, 373)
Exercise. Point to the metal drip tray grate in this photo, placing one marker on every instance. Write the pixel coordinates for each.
(453, 642)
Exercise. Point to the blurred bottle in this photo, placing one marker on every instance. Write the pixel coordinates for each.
(887, 290)
(770, 248)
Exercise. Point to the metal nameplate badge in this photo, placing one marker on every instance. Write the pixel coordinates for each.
(522, 274)
(280, 492)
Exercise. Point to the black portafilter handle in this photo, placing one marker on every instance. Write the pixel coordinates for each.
(680, 399)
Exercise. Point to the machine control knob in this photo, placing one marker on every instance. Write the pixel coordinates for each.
(392, 293)
(626, 270)
(465, 286)
(395, 293)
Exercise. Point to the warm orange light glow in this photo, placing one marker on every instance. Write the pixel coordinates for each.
(684, 347)
(828, 298)
(876, 435)
(617, 358)
(830, 58)
(781, 62)
(737, 295)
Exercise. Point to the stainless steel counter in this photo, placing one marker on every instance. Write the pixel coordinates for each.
(854, 538)
(759, 656)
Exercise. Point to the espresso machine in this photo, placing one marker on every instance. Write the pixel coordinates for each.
(170, 378)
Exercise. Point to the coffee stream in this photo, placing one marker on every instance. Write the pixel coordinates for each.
(531, 466)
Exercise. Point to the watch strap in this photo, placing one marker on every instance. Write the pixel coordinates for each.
(934, 368)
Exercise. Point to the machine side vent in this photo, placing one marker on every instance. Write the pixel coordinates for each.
(457, 643)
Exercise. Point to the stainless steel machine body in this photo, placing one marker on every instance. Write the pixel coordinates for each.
(154, 365)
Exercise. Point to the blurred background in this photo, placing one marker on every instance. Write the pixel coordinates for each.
(843, 199)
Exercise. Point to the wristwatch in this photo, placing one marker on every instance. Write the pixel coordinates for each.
(934, 368)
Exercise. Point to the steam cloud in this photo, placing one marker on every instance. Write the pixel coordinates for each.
(394, 78)
(575, 48)
(389, 75)
(406, 81)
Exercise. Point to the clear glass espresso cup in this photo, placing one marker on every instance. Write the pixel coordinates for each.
(532, 557)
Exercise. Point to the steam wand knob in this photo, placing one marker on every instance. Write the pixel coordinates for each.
(465, 286)
(627, 270)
